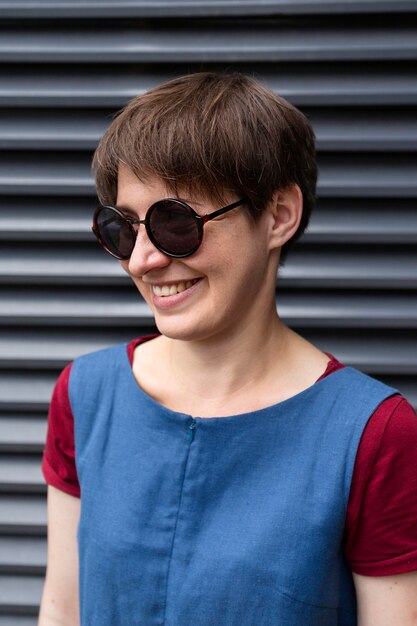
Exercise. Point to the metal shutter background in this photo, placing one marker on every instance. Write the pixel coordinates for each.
(350, 285)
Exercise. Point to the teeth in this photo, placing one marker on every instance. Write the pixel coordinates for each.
(171, 290)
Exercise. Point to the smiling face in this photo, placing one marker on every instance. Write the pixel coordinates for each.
(226, 283)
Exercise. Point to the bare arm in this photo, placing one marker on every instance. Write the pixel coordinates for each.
(60, 604)
(387, 600)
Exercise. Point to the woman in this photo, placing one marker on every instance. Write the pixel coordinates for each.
(229, 472)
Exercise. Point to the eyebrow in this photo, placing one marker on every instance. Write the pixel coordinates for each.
(125, 209)
(192, 202)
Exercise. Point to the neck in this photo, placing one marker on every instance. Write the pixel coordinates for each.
(219, 369)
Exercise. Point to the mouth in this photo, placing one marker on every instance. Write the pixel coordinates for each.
(173, 289)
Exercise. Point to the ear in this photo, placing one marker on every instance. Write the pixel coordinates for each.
(284, 215)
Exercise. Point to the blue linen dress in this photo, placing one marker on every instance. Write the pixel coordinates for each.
(227, 521)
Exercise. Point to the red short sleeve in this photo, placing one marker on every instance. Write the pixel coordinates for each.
(58, 463)
(381, 522)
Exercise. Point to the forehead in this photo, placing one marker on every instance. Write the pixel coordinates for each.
(132, 191)
(130, 186)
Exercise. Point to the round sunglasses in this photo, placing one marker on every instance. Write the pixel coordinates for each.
(172, 226)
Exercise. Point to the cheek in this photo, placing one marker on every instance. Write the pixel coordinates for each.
(238, 259)
(228, 239)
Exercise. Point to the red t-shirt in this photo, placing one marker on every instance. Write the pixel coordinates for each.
(381, 519)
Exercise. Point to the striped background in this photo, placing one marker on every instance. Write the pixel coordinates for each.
(350, 285)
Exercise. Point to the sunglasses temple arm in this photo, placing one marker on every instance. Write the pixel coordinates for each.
(225, 209)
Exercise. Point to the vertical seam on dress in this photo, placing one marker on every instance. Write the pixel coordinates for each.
(174, 532)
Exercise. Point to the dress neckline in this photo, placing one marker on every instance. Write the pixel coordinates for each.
(333, 366)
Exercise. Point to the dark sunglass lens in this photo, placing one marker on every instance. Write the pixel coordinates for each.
(115, 232)
(174, 227)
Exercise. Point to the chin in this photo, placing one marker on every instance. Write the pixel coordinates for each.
(180, 332)
(183, 331)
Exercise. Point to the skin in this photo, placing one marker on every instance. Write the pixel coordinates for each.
(60, 604)
(215, 358)
(387, 600)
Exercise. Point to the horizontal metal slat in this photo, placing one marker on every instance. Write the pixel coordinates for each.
(22, 433)
(27, 174)
(354, 85)
(74, 308)
(22, 390)
(22, 515)
(352, 175)
(38, 399)
(367, 269)
(71, 86)
(341, 175)
(125, 308)
(46, 218)
(393, 353)
(9, 620)
(336, 130)
(21, 474)
(206, 42)
(361, 130)
(347, 310)
(18, 391)
(51, 129)
(20, 594)
(333, 220)
(321, 84)
(50, 219)
(65, 266)
(307, 266)
(53, 348)
(186, 8)
(362, 221)
(61, 219)
(394, 361)
(22, 555)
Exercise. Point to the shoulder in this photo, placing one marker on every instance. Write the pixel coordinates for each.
(58, 461)
(109, 353)
(358, 378)
(60, 391)
(354, 389)
(380, 523)
(101, 354)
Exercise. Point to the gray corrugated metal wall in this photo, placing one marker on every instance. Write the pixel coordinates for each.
(350, 285)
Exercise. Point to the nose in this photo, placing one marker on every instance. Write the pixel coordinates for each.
(145, 256)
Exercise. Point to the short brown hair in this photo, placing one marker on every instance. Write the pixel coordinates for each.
(215, 134)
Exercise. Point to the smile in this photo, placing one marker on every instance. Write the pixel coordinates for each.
(172, 290)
